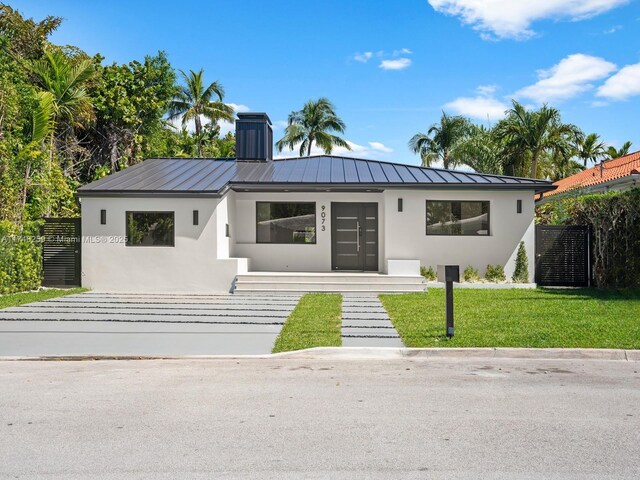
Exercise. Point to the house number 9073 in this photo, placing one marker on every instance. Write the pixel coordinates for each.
(323, 217)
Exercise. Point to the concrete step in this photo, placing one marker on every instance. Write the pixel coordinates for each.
(328, 278)
(327, 287)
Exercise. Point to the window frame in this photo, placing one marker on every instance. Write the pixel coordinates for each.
(126, 227)
(489, 230)
(315, 214)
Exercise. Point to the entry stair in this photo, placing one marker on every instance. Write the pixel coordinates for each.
(298, 282)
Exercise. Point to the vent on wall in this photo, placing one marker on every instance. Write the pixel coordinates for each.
(195, 217)
(400, 205)
(519, 206)
(103, 217)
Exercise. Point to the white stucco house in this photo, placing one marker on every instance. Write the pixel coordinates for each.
(324, 222)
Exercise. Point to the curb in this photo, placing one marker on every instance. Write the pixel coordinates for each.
(379, 353)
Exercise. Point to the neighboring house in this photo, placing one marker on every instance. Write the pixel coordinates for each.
(618, 174)
(200, 225)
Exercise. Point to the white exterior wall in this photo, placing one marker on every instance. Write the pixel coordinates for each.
(293, 257)
(406, 231)
(205, 260)
(198, 263)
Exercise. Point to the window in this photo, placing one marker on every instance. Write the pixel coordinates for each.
(457, 218)
(284, 222)
(150, 229)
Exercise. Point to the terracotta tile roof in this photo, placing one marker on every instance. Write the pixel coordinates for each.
(610, 170)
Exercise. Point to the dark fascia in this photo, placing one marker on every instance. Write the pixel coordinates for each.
(149, 193)
(376, 187)
(314, 187)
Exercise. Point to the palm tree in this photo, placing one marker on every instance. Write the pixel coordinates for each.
(612, 152)
(590, 148)
(193, 101)
(313, 124)
(529, 134)
(66, 79)
(480, 150)
(439, 140)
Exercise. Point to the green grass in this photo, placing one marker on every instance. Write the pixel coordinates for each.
(582, 318)
(15, 299)
(315, 322)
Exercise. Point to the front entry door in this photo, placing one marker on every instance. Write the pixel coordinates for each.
(354, 236)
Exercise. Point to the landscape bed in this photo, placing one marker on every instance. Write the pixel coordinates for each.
(543, 318)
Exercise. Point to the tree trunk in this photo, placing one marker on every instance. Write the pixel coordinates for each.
(445, 160)
(534, 164)
(309, 146)
(198, 135)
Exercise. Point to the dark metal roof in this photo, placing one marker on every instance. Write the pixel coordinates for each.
(214, 175)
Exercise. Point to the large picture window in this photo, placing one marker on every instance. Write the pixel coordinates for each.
(150, 229)
(285, 222)
(457, 217)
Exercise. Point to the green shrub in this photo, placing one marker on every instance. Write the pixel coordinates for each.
(428, 273)
(20, 257)
(470, 274)
(521, 272)
(495, 273)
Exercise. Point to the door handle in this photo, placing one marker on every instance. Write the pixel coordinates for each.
(358, 233)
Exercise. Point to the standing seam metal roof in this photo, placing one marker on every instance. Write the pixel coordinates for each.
(212, 175)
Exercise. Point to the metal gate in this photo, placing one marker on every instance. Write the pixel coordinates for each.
(61, 252)
(563, 256)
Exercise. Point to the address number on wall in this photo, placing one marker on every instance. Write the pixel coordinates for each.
(323, 217)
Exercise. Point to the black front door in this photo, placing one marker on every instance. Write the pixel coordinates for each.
(354, 236)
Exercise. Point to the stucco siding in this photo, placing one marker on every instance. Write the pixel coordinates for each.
(293, 257)
(406, 236)
(191, 266)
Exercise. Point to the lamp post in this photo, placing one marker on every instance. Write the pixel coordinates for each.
(449, 274)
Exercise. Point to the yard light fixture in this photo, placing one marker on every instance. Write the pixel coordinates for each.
(449, 274)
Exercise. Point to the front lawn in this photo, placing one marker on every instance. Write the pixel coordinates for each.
(315, 322)
(582, 318)
(15, 299)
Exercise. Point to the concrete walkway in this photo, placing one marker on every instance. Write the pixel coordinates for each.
(104, 324)
(365, 323)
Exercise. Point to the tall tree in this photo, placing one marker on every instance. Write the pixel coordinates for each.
(480, 150)
(28, 37)
(313, 124)
(130, 102)
(613, 152)
(530, 134)
(440, 140)
(590, 148)
(194, 101)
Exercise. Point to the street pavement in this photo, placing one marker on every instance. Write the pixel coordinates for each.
(345, 418)
(95, 323)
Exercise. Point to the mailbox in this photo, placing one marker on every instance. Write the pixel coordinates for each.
(448, 273)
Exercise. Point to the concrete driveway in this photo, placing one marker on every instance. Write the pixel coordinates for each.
(143, 325)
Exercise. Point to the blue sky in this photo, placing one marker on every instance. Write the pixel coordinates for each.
(390, 67)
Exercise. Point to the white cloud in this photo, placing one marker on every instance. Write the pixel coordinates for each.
(622, 85)
(280, 124)
(396, 64)
(613, 29)
(380, 147)
(402, 51)
(568, 78)
(513, 18)
(238, 107)
(363, 57)
(375, 150)
(480, 107)
(487, 89)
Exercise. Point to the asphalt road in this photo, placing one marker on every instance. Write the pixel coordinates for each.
(282, 418)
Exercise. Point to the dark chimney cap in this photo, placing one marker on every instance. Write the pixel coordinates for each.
(254, 137)
(260, 116)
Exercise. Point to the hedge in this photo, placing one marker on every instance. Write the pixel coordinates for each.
(20, 257)
(615, 221)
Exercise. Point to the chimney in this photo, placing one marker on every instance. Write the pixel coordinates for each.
(254, 137)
